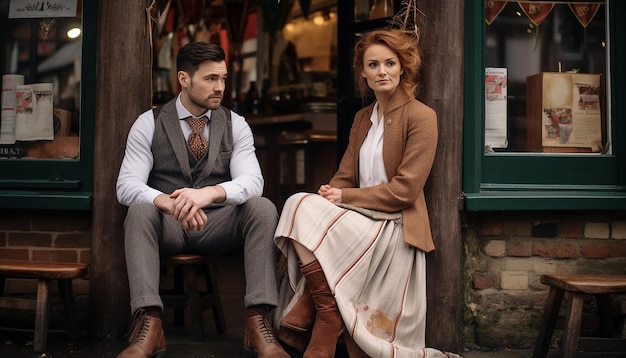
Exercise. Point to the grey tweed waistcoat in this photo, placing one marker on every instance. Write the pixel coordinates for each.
(175, 166)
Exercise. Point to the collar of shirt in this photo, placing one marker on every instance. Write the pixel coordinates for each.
(183, 113)
(374, 118)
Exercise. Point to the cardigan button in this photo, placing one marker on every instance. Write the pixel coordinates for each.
(389, 121)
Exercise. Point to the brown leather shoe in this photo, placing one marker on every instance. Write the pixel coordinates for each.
(147, 339)
(259, 340)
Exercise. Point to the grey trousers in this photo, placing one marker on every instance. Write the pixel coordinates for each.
(148, 234)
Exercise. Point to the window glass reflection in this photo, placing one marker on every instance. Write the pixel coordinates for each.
(545, 77)
(372, 9)
(40, 65)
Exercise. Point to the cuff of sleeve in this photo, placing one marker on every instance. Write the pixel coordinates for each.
(149, 195)
(231, 193)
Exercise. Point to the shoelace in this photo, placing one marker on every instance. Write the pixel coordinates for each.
(266, 332)
(141, 316)
(141, 335)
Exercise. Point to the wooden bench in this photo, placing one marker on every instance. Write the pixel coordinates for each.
(45, 272)
(188, 269)
(577, 287)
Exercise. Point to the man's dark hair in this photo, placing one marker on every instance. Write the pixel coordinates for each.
(193, 54)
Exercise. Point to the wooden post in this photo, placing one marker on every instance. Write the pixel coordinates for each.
(441, 44)
(123, 92)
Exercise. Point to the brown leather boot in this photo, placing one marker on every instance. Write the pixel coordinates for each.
(295, 339)
(147, 339)
(354, 351)
(328, 322)
(258, 339)
(302, 315)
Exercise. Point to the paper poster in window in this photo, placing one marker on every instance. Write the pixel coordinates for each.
(571, 110)
(24, 9)
(34, 112)
(8, 113)
(495, 108)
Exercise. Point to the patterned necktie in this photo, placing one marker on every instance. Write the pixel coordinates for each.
(197, 142)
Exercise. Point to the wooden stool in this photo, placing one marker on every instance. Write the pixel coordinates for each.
(187, 271)
(45, 273)
(577, 286)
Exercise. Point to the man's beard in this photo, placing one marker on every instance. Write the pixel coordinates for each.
(206, 104)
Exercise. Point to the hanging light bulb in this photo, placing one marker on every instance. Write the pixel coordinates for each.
(73, 32)
(318, 19)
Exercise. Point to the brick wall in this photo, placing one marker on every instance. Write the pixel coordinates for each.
(507, 252)
(45, 236)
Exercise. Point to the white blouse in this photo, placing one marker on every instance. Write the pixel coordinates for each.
(371, 165)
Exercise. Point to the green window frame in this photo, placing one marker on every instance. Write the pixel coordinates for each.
(539, 181)
(60, 184)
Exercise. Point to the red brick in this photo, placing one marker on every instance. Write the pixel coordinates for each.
(55, 255)
(600, 250)
(516, 228)
(495, 248)
(76, 240)
(596, 216)
(30, 239)
(543, 216)
(520, 248)
(557, 249)
(491, 227)
(15, 220)
(486, 280)
(85, 257)
(19, 254)
(572, 229)
(61, 221)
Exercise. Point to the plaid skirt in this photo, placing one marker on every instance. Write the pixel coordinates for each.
(379, 281)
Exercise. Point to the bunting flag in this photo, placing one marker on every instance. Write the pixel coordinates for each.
(536, 13)
(275, 14)
(236, 20)
(305, 7)
(584, 12)
(493, 8)
(189, 13)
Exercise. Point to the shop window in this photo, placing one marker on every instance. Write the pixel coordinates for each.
(365, 10)
(46, 125)
(542, 114)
